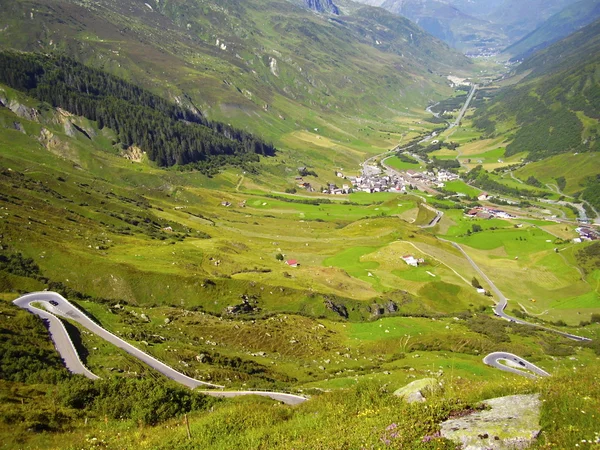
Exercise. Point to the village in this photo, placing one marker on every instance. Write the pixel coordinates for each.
(373, 179)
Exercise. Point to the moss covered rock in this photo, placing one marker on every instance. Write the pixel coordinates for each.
(418, 390)
(510, 423)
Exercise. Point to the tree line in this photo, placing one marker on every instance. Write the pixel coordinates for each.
(170, 134)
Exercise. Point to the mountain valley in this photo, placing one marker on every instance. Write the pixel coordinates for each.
(315, 198)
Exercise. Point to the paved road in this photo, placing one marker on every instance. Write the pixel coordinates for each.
(289, 399)
(57, 305)
(463, 110)
(58, 333)
(503, 301)
(518, 365)
(436, 219)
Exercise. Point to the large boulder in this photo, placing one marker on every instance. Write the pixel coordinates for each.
(418, 390)
(511, 422)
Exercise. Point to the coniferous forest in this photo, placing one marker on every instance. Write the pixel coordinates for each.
(168, 133)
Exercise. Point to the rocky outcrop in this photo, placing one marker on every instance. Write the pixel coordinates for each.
(377, 309)
(249, 305)
(418, 390)
(338, 308)
(17, 126)
(510, 423)
(24, 112)
(48, 140)
(322, 6)
(133, 153)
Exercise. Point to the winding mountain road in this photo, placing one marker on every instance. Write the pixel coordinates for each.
(57, 305)
(516, 364)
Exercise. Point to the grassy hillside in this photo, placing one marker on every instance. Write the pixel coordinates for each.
(192, 267)
(554, 109)
(271, 68)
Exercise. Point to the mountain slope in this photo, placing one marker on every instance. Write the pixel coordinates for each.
(556, 107)
(560, 25)
(518, 18)
(275, 61)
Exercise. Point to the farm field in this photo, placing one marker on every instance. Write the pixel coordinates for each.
(398, 164)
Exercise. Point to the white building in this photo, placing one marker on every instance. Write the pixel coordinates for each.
(411, 260)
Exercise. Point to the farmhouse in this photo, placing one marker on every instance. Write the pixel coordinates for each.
(411, 260)
(292, 263)
(483, 196)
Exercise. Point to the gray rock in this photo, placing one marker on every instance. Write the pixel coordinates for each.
(418, 390)
(511, 423)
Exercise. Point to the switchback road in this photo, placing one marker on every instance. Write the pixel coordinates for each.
(57, 305)
(516, 364)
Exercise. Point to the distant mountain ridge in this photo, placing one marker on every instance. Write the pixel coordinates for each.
(475, 24)
(560, 25)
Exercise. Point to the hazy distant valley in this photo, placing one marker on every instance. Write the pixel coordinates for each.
(318, 200)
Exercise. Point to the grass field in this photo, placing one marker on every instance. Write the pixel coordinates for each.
(574, 168)
(398, 164)
(461, 187)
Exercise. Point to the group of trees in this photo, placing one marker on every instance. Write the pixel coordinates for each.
(545, 113)
(480, 178)
(170, 134)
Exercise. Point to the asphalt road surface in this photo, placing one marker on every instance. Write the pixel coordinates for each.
(463, 110)
(57, 305)
(516, 365)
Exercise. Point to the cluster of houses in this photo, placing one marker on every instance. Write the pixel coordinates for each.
(436, 179)
(586, 234)
(378, 183)
(333, 188)
(481, 212)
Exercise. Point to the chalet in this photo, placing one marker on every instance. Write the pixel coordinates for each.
(483, 196)
(292, 263)
(411, 260)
